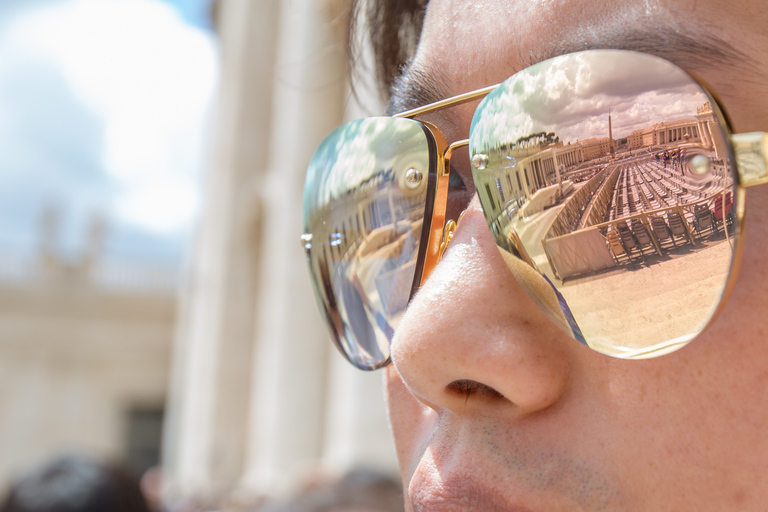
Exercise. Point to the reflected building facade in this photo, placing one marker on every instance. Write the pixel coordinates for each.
(685, 130)
(535, 168)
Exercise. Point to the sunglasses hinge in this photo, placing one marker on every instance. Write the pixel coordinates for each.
(751, 153)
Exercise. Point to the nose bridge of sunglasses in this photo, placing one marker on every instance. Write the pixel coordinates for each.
(450, 225)
(441, 231)
(433, 252)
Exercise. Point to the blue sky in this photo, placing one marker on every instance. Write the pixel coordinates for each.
(194, 12)
(105, 108)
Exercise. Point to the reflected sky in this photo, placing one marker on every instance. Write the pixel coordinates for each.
(571, 95)
(359, 150)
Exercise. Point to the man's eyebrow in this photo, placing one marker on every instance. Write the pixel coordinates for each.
(704, 50)
(416, 87)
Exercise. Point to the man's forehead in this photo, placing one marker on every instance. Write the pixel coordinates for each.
(467, 45)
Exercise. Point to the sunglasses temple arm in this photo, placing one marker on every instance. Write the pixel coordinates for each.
(751, 153)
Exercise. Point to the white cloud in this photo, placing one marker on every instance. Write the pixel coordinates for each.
(143, 80)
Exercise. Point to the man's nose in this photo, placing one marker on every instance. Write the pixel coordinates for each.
(472, 329)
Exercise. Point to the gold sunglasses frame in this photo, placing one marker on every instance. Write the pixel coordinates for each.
(749, 150)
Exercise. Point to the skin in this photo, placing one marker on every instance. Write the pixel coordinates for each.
(566, 428)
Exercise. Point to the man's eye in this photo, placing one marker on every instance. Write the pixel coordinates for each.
(459, 196)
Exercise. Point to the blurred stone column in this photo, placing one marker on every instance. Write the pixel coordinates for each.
(290, 380)
(356, 429)
(206, 423)
(357, 433)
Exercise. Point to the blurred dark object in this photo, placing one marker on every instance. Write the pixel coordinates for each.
(75, 484)
(360, 490)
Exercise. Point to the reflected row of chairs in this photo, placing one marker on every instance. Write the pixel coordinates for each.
(636, 238)
(645, 186)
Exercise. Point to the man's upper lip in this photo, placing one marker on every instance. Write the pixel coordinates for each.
(431, 492)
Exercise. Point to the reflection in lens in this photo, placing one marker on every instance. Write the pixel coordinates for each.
(364, 206)
(607, 172)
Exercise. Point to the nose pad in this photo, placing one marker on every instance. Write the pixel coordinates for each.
(448, 232)
(472, 324)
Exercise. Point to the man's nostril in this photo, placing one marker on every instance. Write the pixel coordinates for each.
(466, 387)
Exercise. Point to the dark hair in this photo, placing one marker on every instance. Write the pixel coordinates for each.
(393, 28)
(75, 484)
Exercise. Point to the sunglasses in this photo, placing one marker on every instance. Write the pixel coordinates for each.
(610, 181)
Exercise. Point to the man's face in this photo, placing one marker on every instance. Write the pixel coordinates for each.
(492, 406)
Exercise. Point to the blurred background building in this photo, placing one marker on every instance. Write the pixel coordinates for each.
(154, 302)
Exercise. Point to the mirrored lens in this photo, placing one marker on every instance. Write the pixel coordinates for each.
(365, 203)
(606, 180)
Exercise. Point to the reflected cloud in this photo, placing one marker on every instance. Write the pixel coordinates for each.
(573, 95)
(356, 153)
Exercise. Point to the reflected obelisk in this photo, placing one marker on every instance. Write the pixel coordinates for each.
(610, 136)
